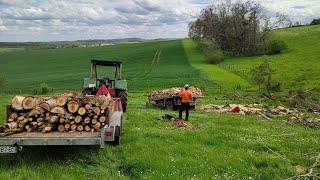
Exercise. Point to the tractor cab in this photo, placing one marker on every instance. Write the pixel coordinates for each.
(108, 73)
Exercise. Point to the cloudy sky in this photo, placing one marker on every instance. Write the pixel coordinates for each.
(50, 20)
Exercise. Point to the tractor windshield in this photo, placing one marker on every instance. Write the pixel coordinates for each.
(106, 72)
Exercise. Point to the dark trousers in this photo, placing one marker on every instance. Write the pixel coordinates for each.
(184, 107)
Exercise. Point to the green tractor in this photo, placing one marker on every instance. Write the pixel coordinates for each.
(109, 72)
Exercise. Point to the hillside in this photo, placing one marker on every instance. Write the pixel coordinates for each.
(64, 69)
(297, 67)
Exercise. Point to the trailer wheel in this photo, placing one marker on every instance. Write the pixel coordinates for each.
(124, 99)
(117, 136)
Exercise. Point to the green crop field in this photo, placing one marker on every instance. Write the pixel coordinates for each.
(217, 147)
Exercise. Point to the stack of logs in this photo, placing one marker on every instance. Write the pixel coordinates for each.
(172, 92)
(64, 113)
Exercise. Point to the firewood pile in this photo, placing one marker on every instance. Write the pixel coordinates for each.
(64, 113)
(172, 92)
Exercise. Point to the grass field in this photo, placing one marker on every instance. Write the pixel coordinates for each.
(298, 67)
(218, 146)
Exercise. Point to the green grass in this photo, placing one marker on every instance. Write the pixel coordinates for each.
(220, 146)
(226, 80)
(298, 67)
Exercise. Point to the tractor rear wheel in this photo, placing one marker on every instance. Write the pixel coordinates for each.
(124, 99)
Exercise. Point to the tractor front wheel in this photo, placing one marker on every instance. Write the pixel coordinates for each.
(124, 99)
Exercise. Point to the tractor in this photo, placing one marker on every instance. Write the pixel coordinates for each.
(109, 72)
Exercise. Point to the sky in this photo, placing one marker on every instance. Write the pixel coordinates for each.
(60, 20)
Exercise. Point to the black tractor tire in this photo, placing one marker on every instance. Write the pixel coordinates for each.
(124, 100)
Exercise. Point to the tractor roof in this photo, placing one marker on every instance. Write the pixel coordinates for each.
(105, 62)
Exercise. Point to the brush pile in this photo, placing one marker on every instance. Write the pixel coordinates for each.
(64, 113)
(257, 109)
(173, 92)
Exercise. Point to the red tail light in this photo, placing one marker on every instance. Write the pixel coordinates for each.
(107, 132)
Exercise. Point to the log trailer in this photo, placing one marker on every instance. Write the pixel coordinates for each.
(109, 133)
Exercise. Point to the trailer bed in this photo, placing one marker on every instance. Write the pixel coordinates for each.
(53, 139)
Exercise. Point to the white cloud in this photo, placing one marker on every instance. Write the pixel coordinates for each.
(39, 20)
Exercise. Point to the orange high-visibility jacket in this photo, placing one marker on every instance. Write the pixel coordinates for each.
(186, 96)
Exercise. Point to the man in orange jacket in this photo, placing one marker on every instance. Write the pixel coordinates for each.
(186, 98)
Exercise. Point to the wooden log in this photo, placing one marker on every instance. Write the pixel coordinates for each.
(82, 111)
(10, 120)
(47, 129)
(102, 119)
(94, 121)
(72, 122)
(36, 111)
(61, 128)
(67, 126)
(45, 106)
(73, 127)
(58, 110)
(61, 101)
(12, 125)
(16, 103)
(53, 119)
(14, 115)
(62, 120)
(20, 118)
(96, 110)
(87, 120)
(77, 119)
(28, 103)
(79, 128)
(87, 128)
(73, 106)
(88, 106)
(97, 126)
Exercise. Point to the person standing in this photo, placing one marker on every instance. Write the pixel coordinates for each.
(186, 98)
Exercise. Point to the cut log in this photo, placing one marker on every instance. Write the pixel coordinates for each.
(58, 110)
(36, 111)
(88, 106)
(46, 129)
(16, 103)
(28, 103)
(20, 118)
(10, 120)
(61, 101)
(53, 119)
(73, 106)
(62, 120)
(45, 106)
(14, 115)
(102, 119)
(87, 128)
(97, 126)
(96, 110)
(71, 122)
(73, 127)
(94, 121)
(82, 111)
(12, 125)
(79, 128)
(87, 120)
(77, 119)
(61, 128)
(67, 126)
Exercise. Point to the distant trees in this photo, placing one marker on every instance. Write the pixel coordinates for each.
(315, 21)
(240, 27)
